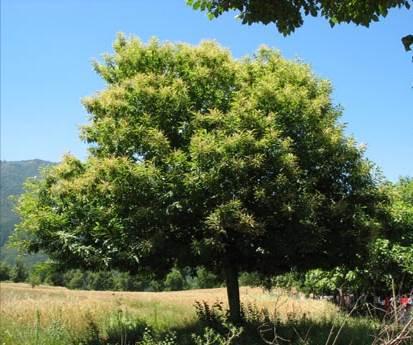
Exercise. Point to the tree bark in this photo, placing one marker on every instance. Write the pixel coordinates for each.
(231, 281)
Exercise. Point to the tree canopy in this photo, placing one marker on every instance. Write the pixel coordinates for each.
(288, 15)
(197, 158)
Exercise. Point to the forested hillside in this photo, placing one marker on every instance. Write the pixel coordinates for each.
(13, 174)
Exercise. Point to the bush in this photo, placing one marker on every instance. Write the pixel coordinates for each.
(289, 280)
(212, 337)
(100, 281)
(217, 331)
(5, 271)
(55, 278)
(124, 329)
(174, 281)
(250, 279)
(150, 339)
(75, 279)
(205, 279)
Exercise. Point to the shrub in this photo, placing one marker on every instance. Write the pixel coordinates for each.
(125, 329)
(174, 281)
(150, 339)
(4, 271)
(205, 279)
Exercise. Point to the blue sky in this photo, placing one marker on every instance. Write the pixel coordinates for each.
(47, 47)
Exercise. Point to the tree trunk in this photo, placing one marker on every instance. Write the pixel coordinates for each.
(231, 281)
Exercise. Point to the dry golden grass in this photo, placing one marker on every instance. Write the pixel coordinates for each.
(44, 304)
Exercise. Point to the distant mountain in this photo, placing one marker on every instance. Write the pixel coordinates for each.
(12, 177)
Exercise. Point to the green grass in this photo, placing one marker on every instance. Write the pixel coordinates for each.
(57, 316)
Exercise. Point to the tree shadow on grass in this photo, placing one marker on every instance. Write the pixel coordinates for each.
(211, 327)
(302, 331)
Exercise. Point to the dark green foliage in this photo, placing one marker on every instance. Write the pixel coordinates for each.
(50, 273)
(324, 282)
(123, 281)
(250, 279)
(56, 278)
(5, 271)
(101, 280)
(205, 279)
(307, 331)
(391, 256)
(174, 280)
(259, 324)
(407, 42)
(400, 210)
(211, 315)
(289, 280)
(288, 15)
(389, 261)
(75, 279)
(125, 329)
(19, 272)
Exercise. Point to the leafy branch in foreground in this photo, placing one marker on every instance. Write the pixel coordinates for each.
(288, 15)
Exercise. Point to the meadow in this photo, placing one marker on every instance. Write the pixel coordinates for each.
(45, 315)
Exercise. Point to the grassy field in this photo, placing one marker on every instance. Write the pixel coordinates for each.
(51, 315)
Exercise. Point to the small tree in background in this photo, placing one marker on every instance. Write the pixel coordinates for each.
(198, 159)
(174, 280)
(19, 272)
(5, 271)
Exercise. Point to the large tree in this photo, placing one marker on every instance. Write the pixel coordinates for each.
(200, 159)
